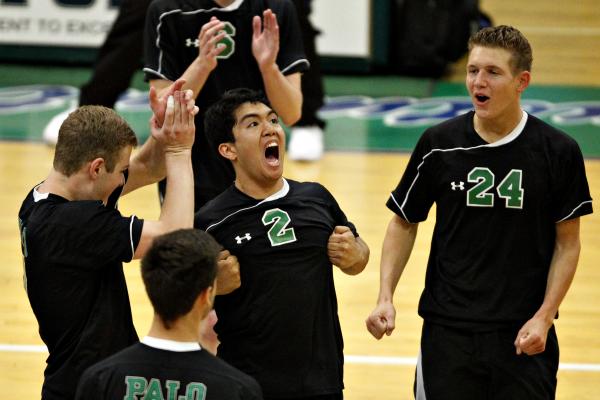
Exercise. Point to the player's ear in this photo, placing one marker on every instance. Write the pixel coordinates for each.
(523, 81)
(95, 167)
(228, 151)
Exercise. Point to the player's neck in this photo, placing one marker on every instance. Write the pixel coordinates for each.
(61, 185)
(223, 3)
(258, 190)
(492, 130)
(184, 329)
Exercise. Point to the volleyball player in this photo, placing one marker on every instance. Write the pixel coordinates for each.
(281, 326)
(509, 191)
(74, 240)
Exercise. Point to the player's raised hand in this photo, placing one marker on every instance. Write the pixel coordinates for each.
(228, 273)
(209, 47)
(265, 39)
(158, 102)
(178, 130)
(381, 320)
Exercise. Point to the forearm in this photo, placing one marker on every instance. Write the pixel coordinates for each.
(147, 166)
(195, 77)
(177, 211)
(562, 268)
(397, 247)
(284, 93)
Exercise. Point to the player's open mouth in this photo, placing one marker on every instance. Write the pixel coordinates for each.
(481, 98)
(272, 153)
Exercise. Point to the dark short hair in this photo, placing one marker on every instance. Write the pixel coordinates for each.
(91, 132)
(219, 119)
(177, 268)
(508, 38)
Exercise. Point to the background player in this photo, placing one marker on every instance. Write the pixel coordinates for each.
(281, 325)
(179, 272)
(509, 190)
(74, 240)
(216, 48)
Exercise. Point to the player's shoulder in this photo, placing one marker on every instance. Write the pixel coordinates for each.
(307, 188)
(221, 367)
(450, 133)
(57, 209)
(114, 361)
(225, 203)
(556, 139)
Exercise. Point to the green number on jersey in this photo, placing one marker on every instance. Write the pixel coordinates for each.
(477, 196)
(510, 189)
(279, 233)
(228, 41)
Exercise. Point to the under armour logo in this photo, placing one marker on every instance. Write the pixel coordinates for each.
(459, 185)
(240, 239)
(192, 43)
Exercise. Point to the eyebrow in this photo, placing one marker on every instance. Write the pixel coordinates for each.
(257, 115)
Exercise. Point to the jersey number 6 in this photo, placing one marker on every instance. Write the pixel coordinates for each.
(228, 41)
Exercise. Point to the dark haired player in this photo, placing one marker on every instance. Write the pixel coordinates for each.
(221, 45)
(179, 273)
(281, 326)
(509, 190)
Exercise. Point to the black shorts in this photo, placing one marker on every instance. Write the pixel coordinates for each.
(458, 364)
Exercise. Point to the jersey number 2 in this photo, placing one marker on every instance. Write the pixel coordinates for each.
(279, 233)
(510, 189)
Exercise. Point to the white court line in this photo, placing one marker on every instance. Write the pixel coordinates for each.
(350, 359)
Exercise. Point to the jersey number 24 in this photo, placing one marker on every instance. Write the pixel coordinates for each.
(510, 188)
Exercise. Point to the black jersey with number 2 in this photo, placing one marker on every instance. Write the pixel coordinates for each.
(281, 326)
(497, 206)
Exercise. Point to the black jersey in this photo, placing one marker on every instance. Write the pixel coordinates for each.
(281, 326)
(496, 210)
(171, 45)
(142, 371)
(74, 280)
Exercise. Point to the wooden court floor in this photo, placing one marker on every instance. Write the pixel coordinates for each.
(361, 182)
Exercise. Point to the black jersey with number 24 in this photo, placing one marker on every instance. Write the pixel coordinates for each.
(497, 206)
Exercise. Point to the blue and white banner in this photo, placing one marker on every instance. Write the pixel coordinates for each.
(77, 23)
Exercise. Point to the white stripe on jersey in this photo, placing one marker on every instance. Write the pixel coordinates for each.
(302, 60)
(131, 236)
(573, 212)
(507, 139)
(281, 193)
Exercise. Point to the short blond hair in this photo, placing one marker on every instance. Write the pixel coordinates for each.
(91, 132)
(508, 38)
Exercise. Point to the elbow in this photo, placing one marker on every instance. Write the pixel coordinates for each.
(292, 117)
